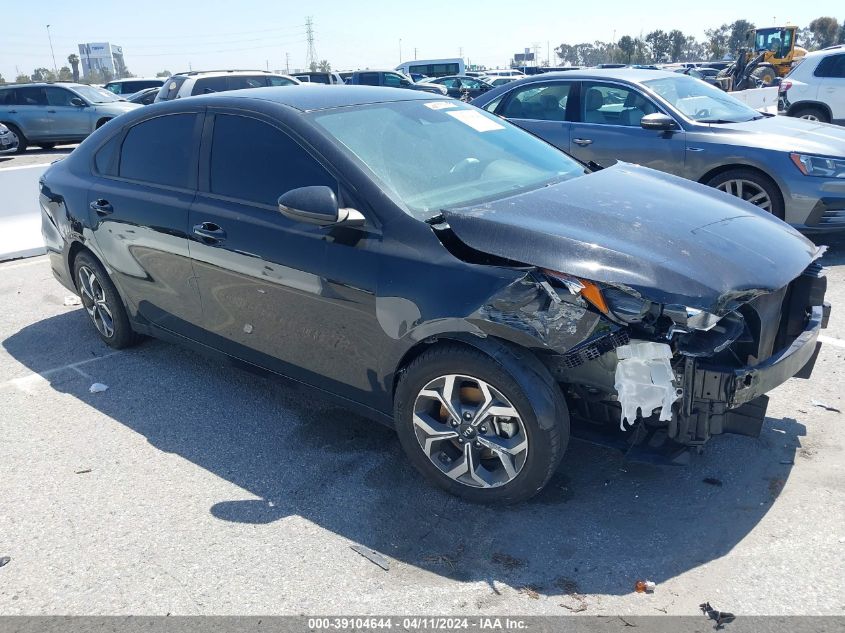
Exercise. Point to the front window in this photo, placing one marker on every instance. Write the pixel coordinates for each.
(700, 101)
(778, 41)
(441, 154)
(92, 94)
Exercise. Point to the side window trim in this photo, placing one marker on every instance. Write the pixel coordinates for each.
(198, 126)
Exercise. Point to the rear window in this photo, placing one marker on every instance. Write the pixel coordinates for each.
(831, 66)
(170, 89)
(160, 151)
(207, 85)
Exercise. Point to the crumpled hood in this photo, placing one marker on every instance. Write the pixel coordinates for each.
(672, 240)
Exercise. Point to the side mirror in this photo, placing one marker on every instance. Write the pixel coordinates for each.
(76, 101)
(317, 205)
(658, 121)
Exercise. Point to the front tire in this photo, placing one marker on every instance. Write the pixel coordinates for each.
(752, 187)
(469, 427)
(103, 303)
(47, 146)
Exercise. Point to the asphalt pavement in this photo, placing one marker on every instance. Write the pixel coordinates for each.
(188, 487)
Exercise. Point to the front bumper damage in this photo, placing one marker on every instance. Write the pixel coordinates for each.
(672, 394)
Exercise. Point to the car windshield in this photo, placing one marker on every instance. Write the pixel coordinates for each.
(96, 95)
(443, 154)
(700, 101)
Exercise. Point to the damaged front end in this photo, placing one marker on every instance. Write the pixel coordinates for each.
(656, 379)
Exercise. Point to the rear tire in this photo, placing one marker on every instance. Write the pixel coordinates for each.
(103, 303)
(752, 187)
(811, 113)
(22, 142)
(47, 146)
(505, 458)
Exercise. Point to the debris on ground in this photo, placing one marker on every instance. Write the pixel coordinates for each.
(826, 407)
(72, 300)
(532, 591)
(372, 556)
(507, 561)
(576, 602)
(82, 472)
(5, 560)
(712, 481)
(644, 586)
(450, 560)
(721, 617)
(97, 387)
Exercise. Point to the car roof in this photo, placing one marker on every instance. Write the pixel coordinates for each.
(310, 97)
(119, 81)
(205, 73)
(635, 75)
(824, 52)
(42, 84)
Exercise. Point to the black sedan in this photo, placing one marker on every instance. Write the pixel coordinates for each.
(436, 268)
(461, 87)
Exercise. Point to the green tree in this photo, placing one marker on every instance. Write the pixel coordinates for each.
(677, 43)
(73, 60)
(43, 74)
(2, 80)
(325, 66)
(626, 45)
(22, 79)
(164, 73)
(739, 35)
(825, 31)
(65, 74)
(659, 44)
(717, 41)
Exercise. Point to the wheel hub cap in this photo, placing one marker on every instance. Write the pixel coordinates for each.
(470, 431)
(748, 191)
(94, 300)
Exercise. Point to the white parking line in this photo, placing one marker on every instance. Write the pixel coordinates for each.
(25, 166)
(29, 382)
(28, 262)
(829, 340)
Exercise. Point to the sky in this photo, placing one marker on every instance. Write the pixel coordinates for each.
(180, 34)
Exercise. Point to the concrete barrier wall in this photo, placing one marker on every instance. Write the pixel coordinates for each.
(20, 214)
(759, 98)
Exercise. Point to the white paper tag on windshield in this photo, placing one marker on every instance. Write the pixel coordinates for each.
(440, 105)
(476, 120)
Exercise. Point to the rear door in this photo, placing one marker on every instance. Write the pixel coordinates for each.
(289, 296)
(145, 182)
(607, 129)
(30, 112)
(831, 75)
(541, 108)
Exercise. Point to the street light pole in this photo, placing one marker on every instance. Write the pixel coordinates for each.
(400, 50)
(50, 39)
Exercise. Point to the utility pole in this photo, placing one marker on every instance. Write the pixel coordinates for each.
(311, 54)
(50, 39)
(400, 50)
(415, 53)
(287, 63)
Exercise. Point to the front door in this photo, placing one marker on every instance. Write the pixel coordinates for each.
(608, 130)
(67, 120)
(292, 297)
(138, 205)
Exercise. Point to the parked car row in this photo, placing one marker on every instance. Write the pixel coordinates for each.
(622, 304)
(790, 168)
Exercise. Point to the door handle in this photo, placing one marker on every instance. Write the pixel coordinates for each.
(12, 111)
(210, 232)
(101, 207)
(51, 111)
(583, 142)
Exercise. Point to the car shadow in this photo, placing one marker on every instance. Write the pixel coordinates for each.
(601, 523)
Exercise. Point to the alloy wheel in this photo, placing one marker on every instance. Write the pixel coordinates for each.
(470, 431)
(749, 191)
(809, 117)
(95, 302)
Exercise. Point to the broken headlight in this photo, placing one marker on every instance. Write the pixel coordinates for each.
(823, 166)
(619, 305)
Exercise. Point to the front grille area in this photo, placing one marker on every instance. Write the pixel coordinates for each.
(593, 349)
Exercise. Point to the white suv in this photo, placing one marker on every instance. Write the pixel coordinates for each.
(201, 82)
(815, 88)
